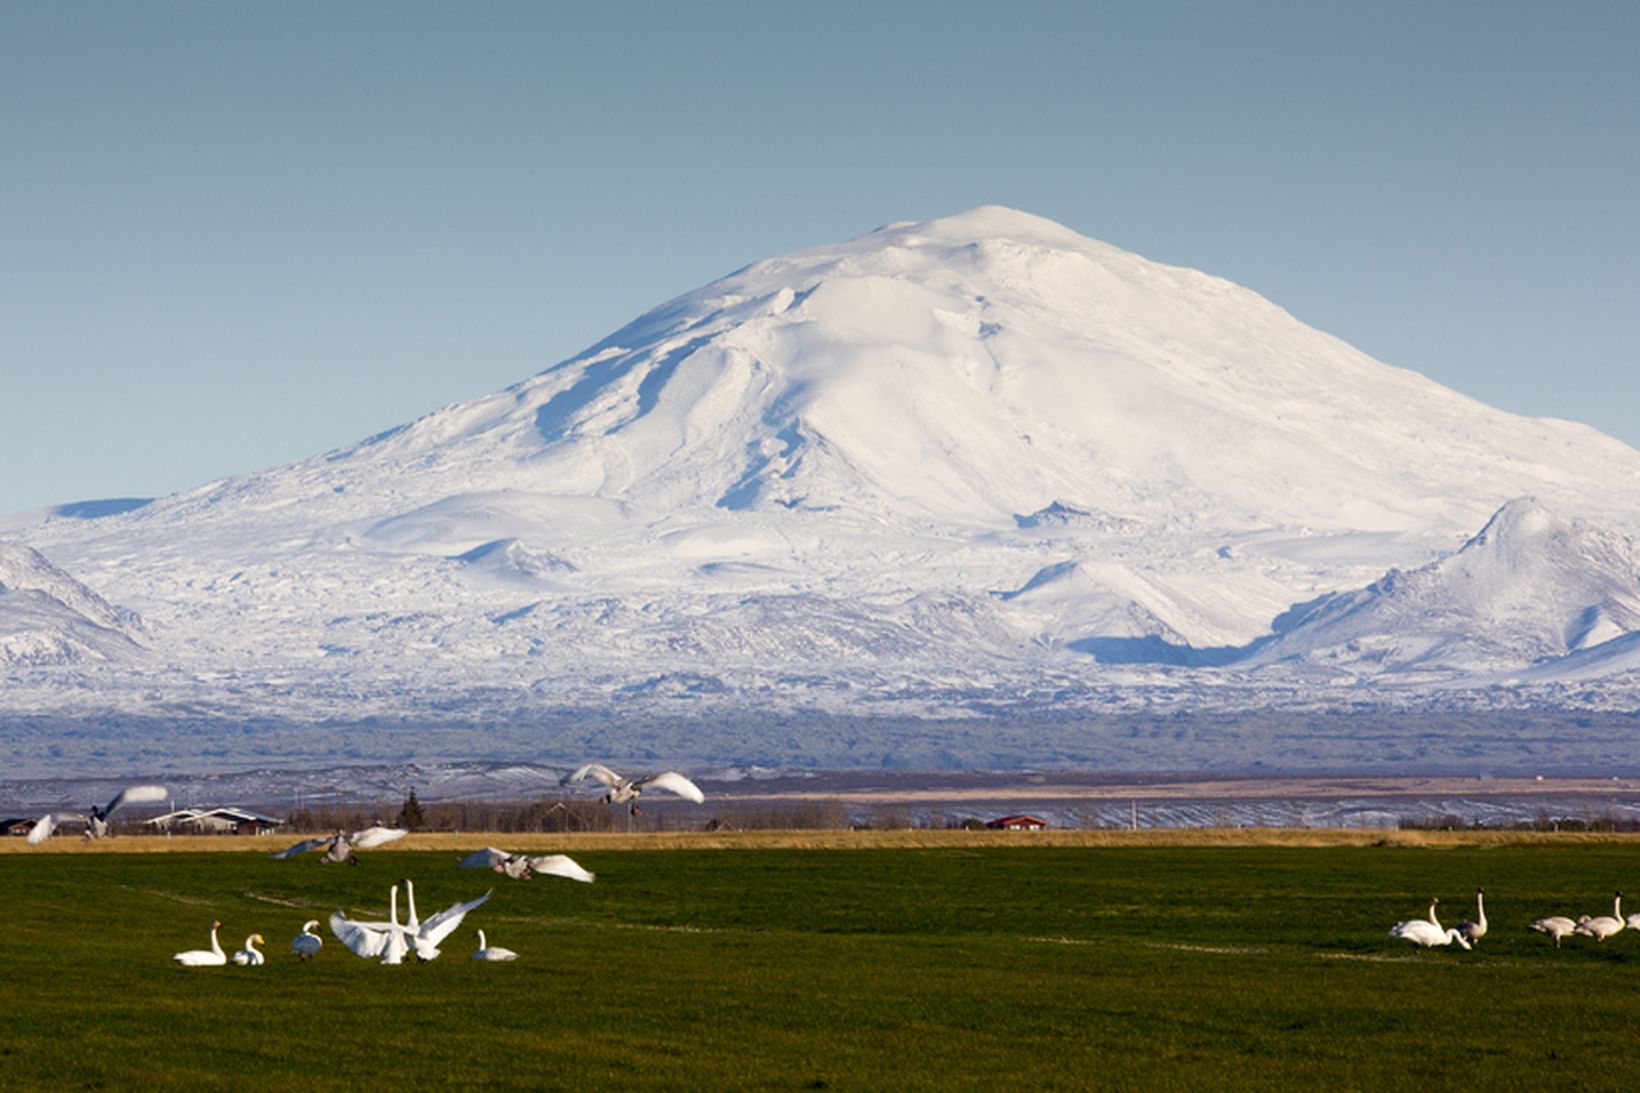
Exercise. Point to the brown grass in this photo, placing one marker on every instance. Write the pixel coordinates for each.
(572, 842)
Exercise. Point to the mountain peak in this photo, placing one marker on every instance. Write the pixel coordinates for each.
(989, 222)
(1521, 518)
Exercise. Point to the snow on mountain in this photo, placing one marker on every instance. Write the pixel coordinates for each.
(48, 617)
(1529, 587)
(948, 468)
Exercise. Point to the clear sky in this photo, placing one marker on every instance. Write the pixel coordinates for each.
(236, 235)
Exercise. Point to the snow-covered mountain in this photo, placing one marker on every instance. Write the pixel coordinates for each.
(49, 618)
(952, 468)
(1530, 587)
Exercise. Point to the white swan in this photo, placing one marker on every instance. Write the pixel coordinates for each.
(387, 940)
(1474, 931)
(250, 955)
(1420, 932)
(203, 958)
(424, 937)
(96, 824)
(1556, 926)
(487, 951)
(339, 847)
(307, 943)
(1427, 932)
(523, 867)
(628, 789)
(1604, 926)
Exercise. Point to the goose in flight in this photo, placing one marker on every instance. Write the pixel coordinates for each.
(523, 867)
(1603, 926)
(1556, 926)
(1474, 931)
(486, 951)
(340, 846)
(250, 955)
(307, 943)
(96, 824)
(629, 789)
(1427, 933)
(202, 958)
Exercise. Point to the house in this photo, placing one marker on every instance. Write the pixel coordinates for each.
(13, 825)
(216, 821)
(1017, 823)
(173, 819)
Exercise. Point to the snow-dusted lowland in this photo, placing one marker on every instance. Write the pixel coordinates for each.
(972, 491)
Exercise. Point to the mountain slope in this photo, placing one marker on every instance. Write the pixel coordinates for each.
(966, 465)
(1529, 587)
(48, 617)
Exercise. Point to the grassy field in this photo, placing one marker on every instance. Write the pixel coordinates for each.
(952, 966)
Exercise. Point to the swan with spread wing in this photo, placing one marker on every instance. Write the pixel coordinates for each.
(523, 866)
(97, 822)
(623, 790)
(339, 847)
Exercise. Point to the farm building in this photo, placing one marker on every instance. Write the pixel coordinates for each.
(13, 825)
(216, 821)
(1017, 823)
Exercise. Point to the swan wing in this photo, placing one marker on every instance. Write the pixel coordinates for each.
(42, 829)
(440, 926)
(592, 770)
(488, 858)
(301, 847)
(47, 824)
(673, 782)
(361, 939)
(561, 865)
(135, 795)
(376, 836)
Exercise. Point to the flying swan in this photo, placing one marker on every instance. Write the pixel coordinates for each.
(629, 789)
(340, 846)
(204, 958)
(523, 867)
(96, 824)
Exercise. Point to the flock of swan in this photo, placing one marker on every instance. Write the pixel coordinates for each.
(391, 941)
(1428, 932)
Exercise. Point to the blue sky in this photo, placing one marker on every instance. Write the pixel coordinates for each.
(236, 235)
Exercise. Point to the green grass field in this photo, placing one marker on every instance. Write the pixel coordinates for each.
(1058, 968)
